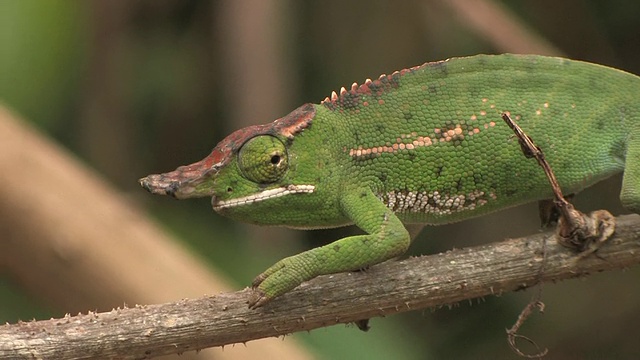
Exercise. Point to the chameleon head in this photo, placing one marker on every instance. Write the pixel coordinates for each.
(249, 167)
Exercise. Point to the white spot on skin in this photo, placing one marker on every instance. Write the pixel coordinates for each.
(434, 202)
(264, 195)
(405, 142)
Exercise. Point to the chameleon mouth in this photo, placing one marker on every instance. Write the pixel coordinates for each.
(261, 196)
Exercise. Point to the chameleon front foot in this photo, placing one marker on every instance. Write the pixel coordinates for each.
(277, 280)
(260, 296)
(257, 299)
(386, 238)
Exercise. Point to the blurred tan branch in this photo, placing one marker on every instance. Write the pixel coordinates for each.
(75, 243)
(502, 28)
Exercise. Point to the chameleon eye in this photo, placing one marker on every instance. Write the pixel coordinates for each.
(263, 159)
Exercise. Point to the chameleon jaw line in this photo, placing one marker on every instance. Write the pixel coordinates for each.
(263, 195)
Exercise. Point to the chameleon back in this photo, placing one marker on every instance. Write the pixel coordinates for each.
(431, 143)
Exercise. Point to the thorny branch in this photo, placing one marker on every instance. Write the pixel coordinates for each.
(396, 286)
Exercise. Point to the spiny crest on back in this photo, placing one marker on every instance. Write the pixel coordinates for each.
(350, 99)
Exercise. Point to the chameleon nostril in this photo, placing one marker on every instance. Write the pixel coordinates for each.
(172, 188)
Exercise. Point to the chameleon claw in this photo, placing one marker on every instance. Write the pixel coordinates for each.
(586, 233)
(257, 299)
(276, 281)
(258, 280)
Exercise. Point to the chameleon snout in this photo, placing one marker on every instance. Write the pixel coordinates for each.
(156, 184)
(189, 181)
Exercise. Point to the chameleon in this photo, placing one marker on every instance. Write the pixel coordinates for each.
(423, 145)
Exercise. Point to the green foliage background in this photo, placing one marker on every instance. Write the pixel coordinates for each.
(135, 87)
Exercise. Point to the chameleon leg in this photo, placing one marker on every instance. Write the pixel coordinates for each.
(386, 238)
(630, 194)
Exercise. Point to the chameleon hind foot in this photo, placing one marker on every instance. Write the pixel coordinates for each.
(585, 233)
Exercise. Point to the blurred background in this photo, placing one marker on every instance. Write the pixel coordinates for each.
(137, 87)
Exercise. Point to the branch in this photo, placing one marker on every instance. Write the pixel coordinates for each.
(505, 30)
(392, 287)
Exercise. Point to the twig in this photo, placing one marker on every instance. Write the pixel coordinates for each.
(585, 233)
(535, 302)
(392, 287)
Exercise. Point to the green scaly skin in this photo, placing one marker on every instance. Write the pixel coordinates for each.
(422, 145)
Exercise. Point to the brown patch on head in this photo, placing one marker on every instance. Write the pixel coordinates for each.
(288, 126)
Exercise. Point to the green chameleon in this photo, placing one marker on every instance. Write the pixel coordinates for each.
(422, 145)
